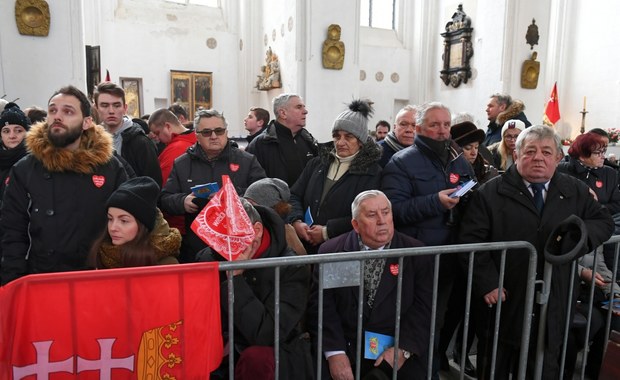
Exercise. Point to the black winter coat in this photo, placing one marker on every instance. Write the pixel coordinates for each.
(140, 153)
(335, 211)
(269, 151)
(503, 210)
(54, 205)
(192, 168)
(254, 293)
(603, 181)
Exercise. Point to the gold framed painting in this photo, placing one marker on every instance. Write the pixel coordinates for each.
(193, 90)
(133, 96)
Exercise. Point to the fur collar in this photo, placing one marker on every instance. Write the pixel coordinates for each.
(513, 110)
(166, 242)
(95, 149)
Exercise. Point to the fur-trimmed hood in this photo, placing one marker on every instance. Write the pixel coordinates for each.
(369, 154)
(513, 110)
(95, 149)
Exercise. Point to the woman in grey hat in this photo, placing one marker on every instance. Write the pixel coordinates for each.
(323, 194)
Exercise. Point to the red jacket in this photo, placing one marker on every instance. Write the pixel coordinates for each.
(177, 146)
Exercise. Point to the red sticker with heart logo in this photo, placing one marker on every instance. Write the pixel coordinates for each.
(599, 184)
(98, 180)
(454, 178)
(233, 167)
(394, 269)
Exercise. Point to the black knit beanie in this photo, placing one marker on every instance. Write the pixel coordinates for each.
(12, 114)
(138, 196)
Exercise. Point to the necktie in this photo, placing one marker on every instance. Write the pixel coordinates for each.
(539, 201)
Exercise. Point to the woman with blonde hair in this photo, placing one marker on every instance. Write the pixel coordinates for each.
(502, 150)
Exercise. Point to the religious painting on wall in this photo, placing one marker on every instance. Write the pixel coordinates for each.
(193, 90)
(133, 96)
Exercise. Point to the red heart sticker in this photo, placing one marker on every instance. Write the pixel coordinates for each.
(233, 167)
(599, 184)
(98, 180)
(454, 178)
(394, 269)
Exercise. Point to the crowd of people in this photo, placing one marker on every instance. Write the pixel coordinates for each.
(86, 187)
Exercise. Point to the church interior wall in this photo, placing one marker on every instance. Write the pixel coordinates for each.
(147, 39)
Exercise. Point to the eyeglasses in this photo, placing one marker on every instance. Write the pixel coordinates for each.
(600, 153)
(208, 132)
(509, 137)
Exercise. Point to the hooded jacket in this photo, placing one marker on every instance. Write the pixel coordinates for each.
(140, 152)
(513, 111)
(54, 205)
(334, 211)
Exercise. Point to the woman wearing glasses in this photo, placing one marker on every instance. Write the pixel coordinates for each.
(586, 162)
(205, 162)
(502, 150)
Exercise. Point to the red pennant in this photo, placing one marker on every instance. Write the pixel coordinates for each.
(552, 109)
(223, 224)
(98, 180)
(454, 178)
(394, 269)
(107, 76)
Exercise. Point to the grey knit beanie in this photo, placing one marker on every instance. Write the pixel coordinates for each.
(355, 120)
(268, 192)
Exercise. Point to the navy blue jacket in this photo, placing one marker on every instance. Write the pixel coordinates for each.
(412, 179)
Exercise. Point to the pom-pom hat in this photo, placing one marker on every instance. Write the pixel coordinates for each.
(354, 120)
(12, 114)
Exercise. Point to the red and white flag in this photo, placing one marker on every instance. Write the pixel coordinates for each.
(552, 109)
(158, 322)
(223, 224)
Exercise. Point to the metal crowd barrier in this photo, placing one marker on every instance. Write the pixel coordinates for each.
(354, 259)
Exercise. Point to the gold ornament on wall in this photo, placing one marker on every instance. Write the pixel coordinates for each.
(32, 17)
(333, 49)
(532, 36)
(530, 72)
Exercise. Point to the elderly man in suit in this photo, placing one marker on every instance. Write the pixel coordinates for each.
(374, 230)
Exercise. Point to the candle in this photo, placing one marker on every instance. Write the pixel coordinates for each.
(584, 103)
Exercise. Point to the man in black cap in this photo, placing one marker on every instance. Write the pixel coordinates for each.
(54, 204)
(527, 203)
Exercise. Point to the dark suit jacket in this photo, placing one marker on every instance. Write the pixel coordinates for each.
(340, 305)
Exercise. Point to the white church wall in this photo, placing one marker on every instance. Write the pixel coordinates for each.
(32, 68)
(147, 39)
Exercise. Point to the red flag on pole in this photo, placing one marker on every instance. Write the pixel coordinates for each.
(552, 109)
(223, 224)
(137, 323)
(107, 76)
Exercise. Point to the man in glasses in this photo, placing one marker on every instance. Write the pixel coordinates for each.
(205, 162)
(286, 146)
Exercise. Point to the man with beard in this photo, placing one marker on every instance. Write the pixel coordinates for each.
(55, 198)
(130, 141)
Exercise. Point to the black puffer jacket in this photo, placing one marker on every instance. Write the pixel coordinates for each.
(335, 211)
(141, 153)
